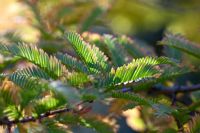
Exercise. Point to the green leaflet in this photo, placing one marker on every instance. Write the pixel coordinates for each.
(95, 13)
(45, 104)
(24, 81)
(172, 53)
(13, 112)
(72, 62)
(52, 100)
(161, 109)
(180, 43)
(30, 85)
(74, 78)
(77, 79)
(136, 70)
(49, 64)
(6, 97)
(29, 80)
(146, 83)
(94, 59)
(134, 49)
(3, 48)
(132, 97)
(115, 50)
(154, 61)
(43, 98)
(32, 72)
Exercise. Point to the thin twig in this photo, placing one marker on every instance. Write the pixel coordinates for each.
(170, 90)
(179, 89)
(5, 121)
(32, 118)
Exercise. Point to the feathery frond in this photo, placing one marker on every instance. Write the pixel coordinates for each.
(13, 112)
(117, 55)
(96, 12)
(72, 62)
(24, 81)
(32, 72)
(132, 97)
(49, 64)
(154, 61)
(78, 79)
(45, 104)
(160, 109)
(146, 83)
(136, 50)
(180, 43)
(30, 94)
(9, 93)
(136, 70)
(94, 59)
(172, 53)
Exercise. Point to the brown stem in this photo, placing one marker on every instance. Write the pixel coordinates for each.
(179, 89)
(32, 118)
(9, 123)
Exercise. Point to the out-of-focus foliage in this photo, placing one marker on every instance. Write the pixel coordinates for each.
(130, 17)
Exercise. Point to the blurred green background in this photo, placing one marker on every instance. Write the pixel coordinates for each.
(34, 20)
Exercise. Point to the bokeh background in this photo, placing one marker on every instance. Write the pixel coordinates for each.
(145, 19)
(42, 22)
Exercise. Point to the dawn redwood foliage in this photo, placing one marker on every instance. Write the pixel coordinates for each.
(108, 67)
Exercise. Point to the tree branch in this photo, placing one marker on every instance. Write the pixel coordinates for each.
(5, 121)
(170, 90)
(179, 89)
